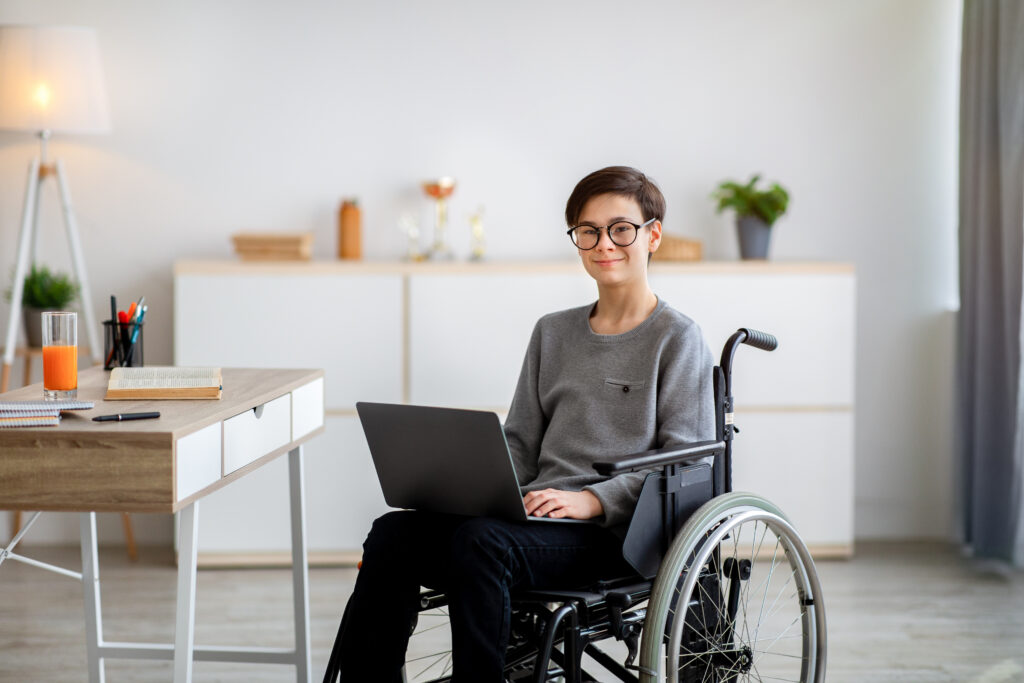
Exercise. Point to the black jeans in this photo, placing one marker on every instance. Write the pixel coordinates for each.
(477, 562)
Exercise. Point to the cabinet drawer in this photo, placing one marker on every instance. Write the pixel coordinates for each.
(813, 316)
(256, 432)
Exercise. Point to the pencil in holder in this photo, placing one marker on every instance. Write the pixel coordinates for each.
(118, 348)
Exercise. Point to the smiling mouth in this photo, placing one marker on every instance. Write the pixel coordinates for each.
(607, 262)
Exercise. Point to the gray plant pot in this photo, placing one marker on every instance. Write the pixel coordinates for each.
(33, 325)
(754, 236)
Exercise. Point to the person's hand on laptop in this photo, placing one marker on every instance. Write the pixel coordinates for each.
(557, 504)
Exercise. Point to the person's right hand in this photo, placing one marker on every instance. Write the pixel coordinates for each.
(563, 504)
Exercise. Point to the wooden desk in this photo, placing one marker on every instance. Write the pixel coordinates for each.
(166, 465)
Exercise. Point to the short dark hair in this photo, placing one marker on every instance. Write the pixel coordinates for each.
(620, 180)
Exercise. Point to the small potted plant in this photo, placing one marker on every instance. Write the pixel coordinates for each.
(756, 212)
(43, 291)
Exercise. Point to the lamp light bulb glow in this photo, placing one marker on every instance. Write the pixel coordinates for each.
(42, 95)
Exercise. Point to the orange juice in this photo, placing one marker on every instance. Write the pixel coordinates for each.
(60, 368)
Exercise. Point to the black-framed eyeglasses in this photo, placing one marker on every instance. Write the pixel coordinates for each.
(621, 233)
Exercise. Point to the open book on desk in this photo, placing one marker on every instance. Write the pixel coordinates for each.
(164, 382)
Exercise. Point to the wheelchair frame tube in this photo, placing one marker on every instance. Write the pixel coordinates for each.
(759, 340)
(737, 338)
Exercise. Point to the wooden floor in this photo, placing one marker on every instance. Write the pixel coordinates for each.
(897, 612)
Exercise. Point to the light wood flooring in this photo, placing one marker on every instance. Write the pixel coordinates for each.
(897, 612)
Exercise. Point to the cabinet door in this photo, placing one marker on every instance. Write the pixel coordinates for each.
(251, 515)
(468, 333)
(802, 462)
(351, 326)
(811, 314)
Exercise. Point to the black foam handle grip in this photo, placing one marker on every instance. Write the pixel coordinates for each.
(760, 340)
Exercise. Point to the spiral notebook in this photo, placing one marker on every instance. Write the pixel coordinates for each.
(37, 413)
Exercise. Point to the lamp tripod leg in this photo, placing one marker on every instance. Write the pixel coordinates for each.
(85, 296)
(34, 249)
(28, 226)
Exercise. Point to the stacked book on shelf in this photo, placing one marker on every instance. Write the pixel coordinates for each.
(274, 246)
(37, 413)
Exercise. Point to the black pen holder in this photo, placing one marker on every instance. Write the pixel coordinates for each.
(118, 348)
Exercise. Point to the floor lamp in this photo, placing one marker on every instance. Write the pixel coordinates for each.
(51, 81)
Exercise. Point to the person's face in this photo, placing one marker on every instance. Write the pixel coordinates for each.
(609, 263)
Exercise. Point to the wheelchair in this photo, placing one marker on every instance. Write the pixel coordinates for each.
(725, 590)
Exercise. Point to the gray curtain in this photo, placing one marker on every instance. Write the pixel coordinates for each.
(990, 377)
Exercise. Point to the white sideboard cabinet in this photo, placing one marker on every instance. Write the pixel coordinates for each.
(455, 334)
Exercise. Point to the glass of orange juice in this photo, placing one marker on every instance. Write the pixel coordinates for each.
(60, 355)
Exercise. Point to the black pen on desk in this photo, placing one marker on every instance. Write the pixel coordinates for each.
(121, 417)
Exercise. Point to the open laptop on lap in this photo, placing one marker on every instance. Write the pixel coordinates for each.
(444, 460)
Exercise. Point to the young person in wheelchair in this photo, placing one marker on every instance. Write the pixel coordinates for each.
(625, 374)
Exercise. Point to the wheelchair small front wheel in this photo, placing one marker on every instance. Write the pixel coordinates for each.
(428, 657)
(736, 598)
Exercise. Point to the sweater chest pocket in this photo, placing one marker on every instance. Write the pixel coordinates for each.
(623, 389)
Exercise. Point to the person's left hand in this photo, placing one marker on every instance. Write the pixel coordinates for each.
(556, 503)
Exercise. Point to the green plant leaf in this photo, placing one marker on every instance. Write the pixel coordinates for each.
(747, 200)
(43, 289)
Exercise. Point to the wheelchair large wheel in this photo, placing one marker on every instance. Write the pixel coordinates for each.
(736, 598)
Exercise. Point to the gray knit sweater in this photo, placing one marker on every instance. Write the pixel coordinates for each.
(584, 397)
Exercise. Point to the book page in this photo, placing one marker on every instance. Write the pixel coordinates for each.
(160, 377)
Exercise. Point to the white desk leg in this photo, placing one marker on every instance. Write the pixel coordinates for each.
(300, 566)
(185, 623)
(91, 587)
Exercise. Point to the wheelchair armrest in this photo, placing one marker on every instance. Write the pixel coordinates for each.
(670, 455)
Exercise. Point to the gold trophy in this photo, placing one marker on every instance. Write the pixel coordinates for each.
(439, 190)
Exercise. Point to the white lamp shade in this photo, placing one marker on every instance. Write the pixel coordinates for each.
(50, 79)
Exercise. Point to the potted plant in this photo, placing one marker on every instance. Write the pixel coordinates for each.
(43, 291)
(756, 212)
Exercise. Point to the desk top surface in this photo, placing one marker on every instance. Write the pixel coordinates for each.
(244, 389)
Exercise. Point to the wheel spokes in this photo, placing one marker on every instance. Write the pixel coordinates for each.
(746, 631)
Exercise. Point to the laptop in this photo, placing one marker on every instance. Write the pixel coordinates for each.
(444, 460)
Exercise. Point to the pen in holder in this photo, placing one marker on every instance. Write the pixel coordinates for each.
(119, 349)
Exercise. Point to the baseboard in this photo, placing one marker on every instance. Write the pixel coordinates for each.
(839, 551)
(251, 560)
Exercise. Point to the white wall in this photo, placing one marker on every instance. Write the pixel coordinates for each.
(248, 115)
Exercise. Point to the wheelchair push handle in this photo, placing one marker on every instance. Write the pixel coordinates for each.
(759, 340)
(744, 335)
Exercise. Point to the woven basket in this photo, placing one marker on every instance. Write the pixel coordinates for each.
(678, 249)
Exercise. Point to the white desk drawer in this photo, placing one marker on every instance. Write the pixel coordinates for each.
(255, 433)
(197, 461)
